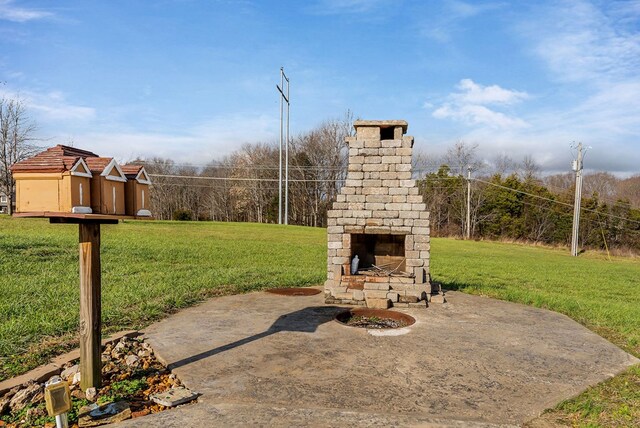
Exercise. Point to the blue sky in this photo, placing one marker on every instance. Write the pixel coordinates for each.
(194, 80)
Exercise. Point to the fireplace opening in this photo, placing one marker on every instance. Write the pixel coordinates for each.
(381, 251)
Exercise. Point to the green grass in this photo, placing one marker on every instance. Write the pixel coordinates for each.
(154, 268)
(149, 269)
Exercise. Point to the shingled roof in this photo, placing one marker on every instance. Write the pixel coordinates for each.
(56, 159)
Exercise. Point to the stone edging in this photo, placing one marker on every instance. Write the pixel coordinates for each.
(43, 373)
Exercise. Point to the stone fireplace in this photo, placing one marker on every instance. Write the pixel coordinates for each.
(380, 217)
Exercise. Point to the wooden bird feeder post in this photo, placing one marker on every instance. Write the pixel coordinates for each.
(70, 185)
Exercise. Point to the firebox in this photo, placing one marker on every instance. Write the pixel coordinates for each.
(378, 227)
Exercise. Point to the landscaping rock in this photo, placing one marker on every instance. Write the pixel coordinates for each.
(76, 378)
(174, 396)
(91, 394)
(132, 360)
(25, 396)
(4, 401)
(69, 372)
(93, 416)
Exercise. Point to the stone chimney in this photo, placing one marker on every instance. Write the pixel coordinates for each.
(380, 217)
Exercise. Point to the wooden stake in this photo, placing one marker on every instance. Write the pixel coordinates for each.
(90, 306)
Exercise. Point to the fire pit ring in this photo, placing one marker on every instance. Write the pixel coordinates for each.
(293, 291)
(374, 318)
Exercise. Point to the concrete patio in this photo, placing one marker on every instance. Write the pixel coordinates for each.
(269, 360)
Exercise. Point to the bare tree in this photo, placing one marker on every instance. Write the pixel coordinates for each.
(16, 136)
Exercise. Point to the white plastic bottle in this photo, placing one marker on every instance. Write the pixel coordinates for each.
(354, 265)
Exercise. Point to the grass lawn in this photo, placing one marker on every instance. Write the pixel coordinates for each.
(154, 268)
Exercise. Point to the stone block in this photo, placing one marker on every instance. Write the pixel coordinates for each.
(335, 229)
(389, 175)
(371, 144)
(397, 133)
(375, 294)
(379, 198)
(348, 190)
(378, 229)
(407, 183)
(406, 159)
(361, 213)
(174, 396)
(419, 275)
(358, 295)
(365, 132)
(341, 198)
(414, 191)
(375, 191)
(356, 159)
(355, 175)
(399, 190)
(420, 305)
(399, 199)
(388, 151)
(344, 252)
(378, 303)
(346, 295)
(376, 286)
(355, 206)
(390, 183)
(415, 199)
(421, 223)
(374, 206)
(339, 260)
(372, 159)
(334, 213)
(353, 142)
(391, 143)
(420, 238)
(407, 299)
(371, 183)
(386, 214)
(353, 151)
(391, 159)
(404, 151)
(374, 222)
(337, 272)
(400, 230)
(408, 222)
(347, 221)
(394, 222)
(419, 207)
(392, 296)
(334, 245)
(421, 246)
(404, 175)
(354, 199)
(414, 262)
(353, 183)
(409, 214)
(378, 167)
(353, 229)
(403, 167)
(424, 215)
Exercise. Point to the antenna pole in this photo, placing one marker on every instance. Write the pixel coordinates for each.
(576, 205)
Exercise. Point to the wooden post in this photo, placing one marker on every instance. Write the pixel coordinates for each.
(90, 306)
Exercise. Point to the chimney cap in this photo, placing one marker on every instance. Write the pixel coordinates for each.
(381, 124)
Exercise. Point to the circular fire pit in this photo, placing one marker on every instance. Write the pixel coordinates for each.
(292, 291)
(374, 318)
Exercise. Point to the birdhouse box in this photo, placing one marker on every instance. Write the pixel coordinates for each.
(56, 180)
(107, 186)
(137, 191)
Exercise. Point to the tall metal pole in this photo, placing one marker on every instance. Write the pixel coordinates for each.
(286, 163)
(468, 201)
(280, 158)
(577, 167)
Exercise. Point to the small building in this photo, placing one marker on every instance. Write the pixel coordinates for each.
(107, 186)
(55, 180)
(137, 191)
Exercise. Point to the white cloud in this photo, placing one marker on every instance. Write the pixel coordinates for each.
(441, 26)
(473, 93)
(10, 12)
(581, 42)
(469, 106)
(51, 105)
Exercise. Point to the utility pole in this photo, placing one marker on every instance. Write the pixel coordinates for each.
(468, 201)
(285, 98)
(577, 167)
